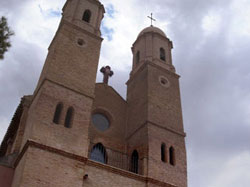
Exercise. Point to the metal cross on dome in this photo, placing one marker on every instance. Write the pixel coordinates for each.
(106, 73)
(152, 19)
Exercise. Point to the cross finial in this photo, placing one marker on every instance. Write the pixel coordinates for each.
(106, 74)
(152, 19)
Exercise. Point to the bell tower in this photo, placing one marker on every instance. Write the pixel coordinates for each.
(84, 14)
(155, 126)
(59, 114)
(58, 117)
(74, 52)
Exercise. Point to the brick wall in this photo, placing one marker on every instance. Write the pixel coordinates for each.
(6, 176)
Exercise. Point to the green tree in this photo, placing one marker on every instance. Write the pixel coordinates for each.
(5, 34)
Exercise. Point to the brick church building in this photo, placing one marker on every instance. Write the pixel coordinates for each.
(74, 132)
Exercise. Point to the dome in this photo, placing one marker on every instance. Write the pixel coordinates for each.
(152, 29)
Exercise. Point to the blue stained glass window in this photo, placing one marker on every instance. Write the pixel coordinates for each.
(100, 121)
(98, 153)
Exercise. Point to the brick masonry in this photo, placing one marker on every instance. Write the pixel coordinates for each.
(50, 154)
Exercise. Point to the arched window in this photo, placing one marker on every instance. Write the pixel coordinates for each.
(163, 155)
(134, 162)
(57, 113)
(162, 54)
(98, 153)
(69, 117)
(137, 60)
(171, 156)
(86, 16)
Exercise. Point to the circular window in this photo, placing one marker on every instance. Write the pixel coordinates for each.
(100, 121)
(81, 42)
(164, 81)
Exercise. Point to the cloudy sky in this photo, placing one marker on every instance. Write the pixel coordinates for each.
(211, 53)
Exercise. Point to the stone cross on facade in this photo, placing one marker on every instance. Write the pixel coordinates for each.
(106, 74)
(152, 19)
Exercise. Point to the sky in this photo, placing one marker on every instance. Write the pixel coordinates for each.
(211, 53)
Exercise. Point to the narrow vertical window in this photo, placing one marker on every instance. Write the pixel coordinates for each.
(69, 117)
(163, 155)
(86, 16)
(57, 113)
(98, 153)
(134, 162)
(162, 54)
(137, 60)
(172, 156)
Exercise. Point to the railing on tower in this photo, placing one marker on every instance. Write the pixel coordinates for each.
(114, 158)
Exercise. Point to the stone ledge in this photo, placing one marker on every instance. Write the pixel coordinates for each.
(183, 134)
(144, 64)
(60, 85)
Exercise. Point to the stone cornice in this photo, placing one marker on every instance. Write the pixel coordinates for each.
(80, 29)
(58, 84)
(63, 21)
(168, 129)
(134, 73)
(156, 125)
(116, 170)
(97, 3)
(31, 143)
(154, 34)
(164, 69)
(91, 1)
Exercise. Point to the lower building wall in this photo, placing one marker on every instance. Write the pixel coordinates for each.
(48, 169)
(18, 175)
(102, 178)
(6, 176)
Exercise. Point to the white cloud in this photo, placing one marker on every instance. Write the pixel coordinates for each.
(117, 52)
(241, 18)
(211, 22)
(234, 172)
(36, 25)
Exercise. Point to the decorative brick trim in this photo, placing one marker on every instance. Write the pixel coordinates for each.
(85, 160)
(153, 33)
(168, 129)
(60, 85)
(31, 143)
(116, 170)
(159, 183)
(20, 156)
(159, 126)
(163, 69)
(145, 64)
(80, 29)
(128, 174)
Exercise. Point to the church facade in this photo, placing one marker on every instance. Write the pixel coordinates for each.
(75, 132)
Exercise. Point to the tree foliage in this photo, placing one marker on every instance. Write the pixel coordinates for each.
(5, 34)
